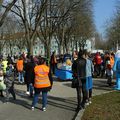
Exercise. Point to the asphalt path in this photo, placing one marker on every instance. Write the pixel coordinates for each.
(61, 102)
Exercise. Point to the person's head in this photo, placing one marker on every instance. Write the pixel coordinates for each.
(1, 75)
(31, 58)
(42, 61)
(20, 58)
(4, 58)
(1, 72)
(53, 53)
(75, 54)
(82, 54)
(87, 55)
(112, 54)
(68, 62)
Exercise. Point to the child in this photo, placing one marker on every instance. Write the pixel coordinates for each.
(109, 72)
(9, 81)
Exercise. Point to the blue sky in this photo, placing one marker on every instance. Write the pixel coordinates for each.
(103, 11)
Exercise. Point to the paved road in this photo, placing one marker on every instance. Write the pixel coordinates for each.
(61, 103)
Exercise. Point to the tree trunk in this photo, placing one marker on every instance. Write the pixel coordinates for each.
(48, 51)
(76, 45)
(60, 49)
(30, 47)
(11, 53)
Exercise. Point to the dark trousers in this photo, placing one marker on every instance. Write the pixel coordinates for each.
(98, 69)
(1, 93)
(10, 91)
(30, 88)
(109, 80)
(78, 89)
(81, 100)
(53, 67)
(89, 94)
(84, 91)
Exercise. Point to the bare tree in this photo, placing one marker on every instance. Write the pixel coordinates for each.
(30, 14)
(113, 29)
(8, 8)
(79, 27)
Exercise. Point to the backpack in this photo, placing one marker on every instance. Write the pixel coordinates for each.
(118, 66)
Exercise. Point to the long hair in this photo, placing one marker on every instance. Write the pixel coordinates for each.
(41, 60)
(81, 53)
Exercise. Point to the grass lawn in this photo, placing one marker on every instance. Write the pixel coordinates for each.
(104, 107)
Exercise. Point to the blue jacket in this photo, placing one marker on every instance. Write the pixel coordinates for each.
(89, 68)
(115, 67)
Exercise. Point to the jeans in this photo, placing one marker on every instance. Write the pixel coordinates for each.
(44, 99)
(31, 88)
(21, 77)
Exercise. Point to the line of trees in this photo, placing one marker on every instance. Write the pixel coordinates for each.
(113, 30)
(70, 22)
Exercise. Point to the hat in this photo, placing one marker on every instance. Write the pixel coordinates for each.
(68, 62)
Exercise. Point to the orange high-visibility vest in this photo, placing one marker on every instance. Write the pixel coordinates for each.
(111, 61)
(41, 76)
(20, 65)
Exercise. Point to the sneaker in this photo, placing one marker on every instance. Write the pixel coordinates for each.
(90, 102)
(87, 103)
(27, 92)
(44, 109)
(5, 102)
(32, 108)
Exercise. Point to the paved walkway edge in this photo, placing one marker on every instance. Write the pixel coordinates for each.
(80, 114)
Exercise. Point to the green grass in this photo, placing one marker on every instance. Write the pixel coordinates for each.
(104, 107)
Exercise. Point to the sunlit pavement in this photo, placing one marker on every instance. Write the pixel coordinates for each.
(61, 102)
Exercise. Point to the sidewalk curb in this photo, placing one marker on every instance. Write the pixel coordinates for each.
(80, 114)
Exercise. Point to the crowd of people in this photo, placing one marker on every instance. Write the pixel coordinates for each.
(38, 75)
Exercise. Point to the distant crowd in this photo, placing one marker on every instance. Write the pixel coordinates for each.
(37, 73)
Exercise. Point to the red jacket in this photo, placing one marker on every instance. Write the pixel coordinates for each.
(98, 59)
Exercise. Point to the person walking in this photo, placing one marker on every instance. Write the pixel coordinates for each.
(98, 62)
(79, 71)
(42, 83)
(109, 70)
(29, 75)
(53, 62)
(9, 82)
(20, 70)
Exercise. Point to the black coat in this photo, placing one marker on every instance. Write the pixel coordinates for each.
(79, 68)
(29, 72)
